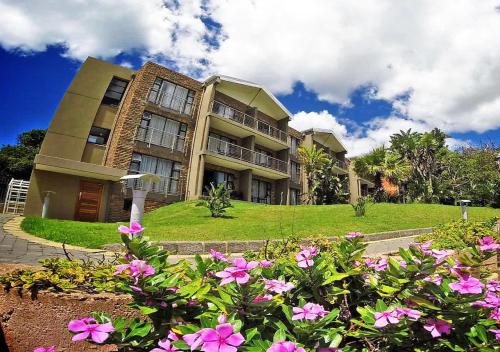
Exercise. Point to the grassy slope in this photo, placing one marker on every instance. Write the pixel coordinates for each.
(186, 221)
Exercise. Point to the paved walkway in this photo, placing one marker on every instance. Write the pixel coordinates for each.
(15, 249)
(19, 247)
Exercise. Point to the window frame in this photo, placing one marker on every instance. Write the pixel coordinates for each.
(105, 137)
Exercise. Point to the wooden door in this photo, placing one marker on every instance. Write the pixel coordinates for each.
(89, 201)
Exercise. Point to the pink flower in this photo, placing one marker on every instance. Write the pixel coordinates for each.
(437, 327)
(424, 247)
(231, 274)
(471, 285)
(495, 314)
(313, 250)
(166, 346)
(459, 269)
(278, 286)
(285, 346)
(138, 268)
(218, 255)
(488, 244)
(497, 333)
(221, 339)
(386, 317)
(264, 298)
(353, 235)
(441, 255)
(193, 340)
(412, 314)
(172, 336)
(493, 286)
(242, 264)
(490, 301)
(380, 266)
(435, 279)
(310, 311)
(45, 349)
(134, 229)
(265, 263)
(88, 327)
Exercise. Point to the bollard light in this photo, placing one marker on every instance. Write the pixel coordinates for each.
(463, 206)
(141, 185)
(46, 203)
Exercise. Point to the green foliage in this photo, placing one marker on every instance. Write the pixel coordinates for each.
(17, 160)
(314, 160)
(360, 206)
(460, 234)
(331, 189)
(61, 275)
(219, 199)
(185, 298)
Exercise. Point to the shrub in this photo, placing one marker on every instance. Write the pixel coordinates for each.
(360, 206)
(219, 199)
(308, 300)
(459, 234)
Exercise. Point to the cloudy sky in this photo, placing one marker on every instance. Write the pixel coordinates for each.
(365, 69)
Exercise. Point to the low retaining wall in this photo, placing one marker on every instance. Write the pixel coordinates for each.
(190, 248)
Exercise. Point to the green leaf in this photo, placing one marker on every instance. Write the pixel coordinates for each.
(335, 277)
(279, 335)
(147, 310)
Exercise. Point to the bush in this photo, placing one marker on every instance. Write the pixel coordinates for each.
(460, 234)
(360, 206)
(307, 300)
(219, 199)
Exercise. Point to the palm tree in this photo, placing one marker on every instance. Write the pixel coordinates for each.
(313, 160)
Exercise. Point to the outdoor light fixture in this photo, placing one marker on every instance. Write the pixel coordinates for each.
(463, 205)
(46, 203)
(141, 184)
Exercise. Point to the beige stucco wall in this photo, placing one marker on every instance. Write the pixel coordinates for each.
(63, 201)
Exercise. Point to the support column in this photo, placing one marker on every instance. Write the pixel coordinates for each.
(246, 184)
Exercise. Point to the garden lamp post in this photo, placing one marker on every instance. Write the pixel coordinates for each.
(141, 185)
(46, 203)
(463, 206)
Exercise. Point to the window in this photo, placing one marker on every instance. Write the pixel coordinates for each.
(261, 192)
(172, 96)
(158, 130)
(294, 196)
(222, 144)
(217, 177)
(168, 170)
(98, 135)
(294, 145)
(295, 172)
(115, 91)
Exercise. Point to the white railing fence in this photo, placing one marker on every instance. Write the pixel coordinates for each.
(15, 198)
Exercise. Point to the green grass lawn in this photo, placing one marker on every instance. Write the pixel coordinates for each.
(186, 221)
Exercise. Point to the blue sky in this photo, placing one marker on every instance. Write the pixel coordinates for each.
(332, 65)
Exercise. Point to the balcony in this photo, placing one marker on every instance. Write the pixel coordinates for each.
(160, 138)
(251, 123)
(266, 166)
(167, 185)
(340, 164)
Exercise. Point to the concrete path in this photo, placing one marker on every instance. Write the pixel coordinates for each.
(18, 247)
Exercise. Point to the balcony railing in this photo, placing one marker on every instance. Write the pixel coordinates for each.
(234, 151)
(340, 163)
(166, 186)
(295, 177)
(172, 102)
(161, 138)
(228, 112)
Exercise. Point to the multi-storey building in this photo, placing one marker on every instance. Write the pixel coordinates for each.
(114, 121)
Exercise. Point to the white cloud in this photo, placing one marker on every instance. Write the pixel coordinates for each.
(445, 54)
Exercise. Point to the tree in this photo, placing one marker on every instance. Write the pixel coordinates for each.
(17, 160)
(331, 189)
(313, 160)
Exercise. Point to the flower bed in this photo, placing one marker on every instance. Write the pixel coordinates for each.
(311, 297)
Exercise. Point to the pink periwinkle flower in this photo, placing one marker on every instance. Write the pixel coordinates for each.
(231, 274)
(134, 229)
(386, 317)
(435, 279)
(441, 255)
(88, 327)
(495, 314)
(263, 298)
(424, 247)
(172, 336)
(353, 235)
(490, 301)
(265, 263)
(437, 327)
(459, 269)
(241, 263)
(488, 244)
(310, 311)
(313, 250)
(381, 265)
(45, 349)
(285, 346)
(403, 264)
(221, 339)
(278, 286)
(218, 255)
(497, 333)
(493, 286)
(166, 346)
(412, 314)
(304, 257)
(470, 285)
(138, 268)
(193, 340)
